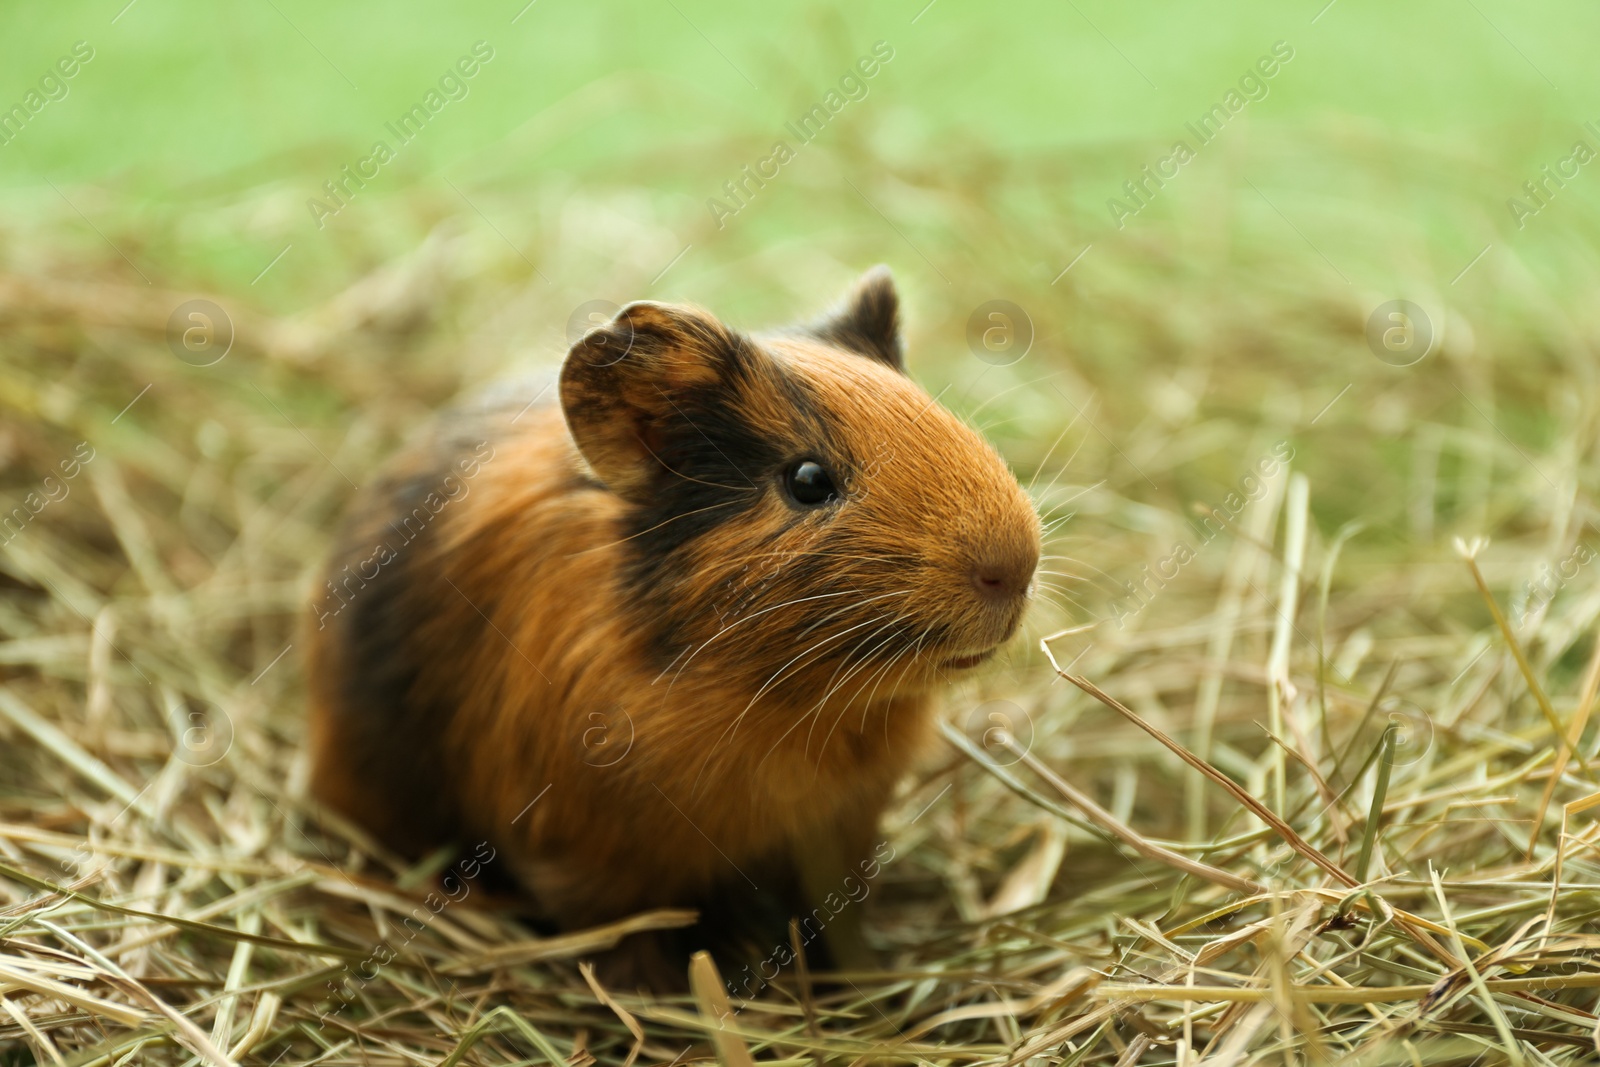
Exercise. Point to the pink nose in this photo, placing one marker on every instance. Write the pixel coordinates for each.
(1002, 579)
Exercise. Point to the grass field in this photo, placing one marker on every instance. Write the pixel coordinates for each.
(1351, 589)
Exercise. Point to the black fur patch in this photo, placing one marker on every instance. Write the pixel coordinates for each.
(715, 468)
(391, 729)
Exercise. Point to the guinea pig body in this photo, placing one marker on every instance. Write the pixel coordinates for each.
(669, 642)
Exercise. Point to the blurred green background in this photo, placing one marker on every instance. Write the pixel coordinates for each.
(1389, 126)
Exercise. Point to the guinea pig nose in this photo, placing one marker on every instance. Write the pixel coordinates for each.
(1004, 577)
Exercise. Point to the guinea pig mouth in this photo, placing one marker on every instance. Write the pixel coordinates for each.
(961, 663)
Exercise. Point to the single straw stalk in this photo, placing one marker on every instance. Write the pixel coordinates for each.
(1469, 552)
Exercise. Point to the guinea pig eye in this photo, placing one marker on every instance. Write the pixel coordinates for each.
(809, 484)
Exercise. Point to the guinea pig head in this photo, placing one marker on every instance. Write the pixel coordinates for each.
(797, 510)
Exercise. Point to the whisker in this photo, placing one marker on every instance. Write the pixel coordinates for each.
(1059, 606)
(865, 662)
(1064, 464)
(848, 608)
(1007, 392)
(911, 660)
(657, 526)
(795, 553)
(750, 487)
(1050, 527)
(916, 652)
(736, 622)
(1064, 574)
(1052, 449)
(866, 705)
(815, 708)
(987, 428)
(733, 727)
(1091, 566)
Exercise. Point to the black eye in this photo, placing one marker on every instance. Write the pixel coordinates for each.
(809, 484)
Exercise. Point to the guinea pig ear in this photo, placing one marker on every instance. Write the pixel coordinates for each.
(868, 320)
(622, 384)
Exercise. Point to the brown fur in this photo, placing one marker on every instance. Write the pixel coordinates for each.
(694, 712)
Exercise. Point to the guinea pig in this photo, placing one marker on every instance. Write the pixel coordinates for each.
(672, 640)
